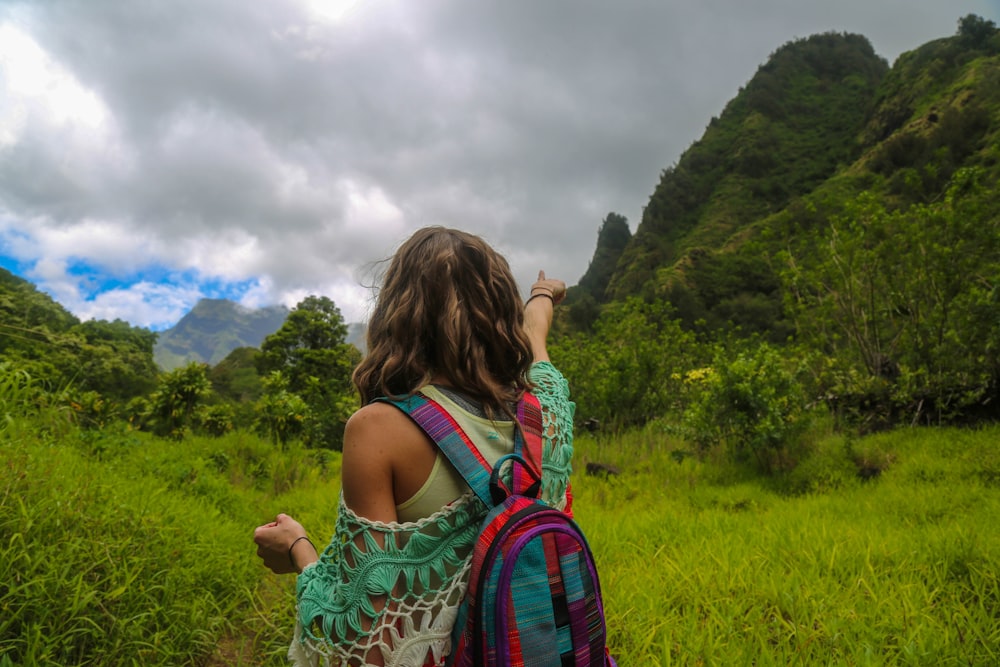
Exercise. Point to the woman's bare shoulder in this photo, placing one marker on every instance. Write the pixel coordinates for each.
(378, 412)
(387, 458)
(381, 423)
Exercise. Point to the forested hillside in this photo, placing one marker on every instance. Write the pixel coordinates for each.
(113, 359)
(839, 209)
(796, 122)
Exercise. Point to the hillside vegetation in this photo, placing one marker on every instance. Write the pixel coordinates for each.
(841, 210)
(794, 124)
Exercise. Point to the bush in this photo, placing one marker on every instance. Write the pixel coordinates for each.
(627, 372)
(216, 419)
(750, 404)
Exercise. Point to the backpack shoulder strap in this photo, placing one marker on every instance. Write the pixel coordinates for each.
(529, 439)
(449, 436)
(442, 428)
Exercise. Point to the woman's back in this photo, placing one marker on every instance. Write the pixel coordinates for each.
(387, 588)
(397, 594)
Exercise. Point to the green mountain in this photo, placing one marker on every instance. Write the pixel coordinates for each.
(839, 208)
(824, 119)
(787, 131)
(213, 329)
(612, 239)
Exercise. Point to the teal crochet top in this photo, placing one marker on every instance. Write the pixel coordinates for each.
(399, 601)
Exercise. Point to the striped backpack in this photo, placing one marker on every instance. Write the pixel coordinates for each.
(533, 599)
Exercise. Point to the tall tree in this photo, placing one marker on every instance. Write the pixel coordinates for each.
(311, 351)
(975, 31)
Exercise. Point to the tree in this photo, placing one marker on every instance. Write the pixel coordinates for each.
(173, 405)
(311, 343)
(975, 31)
(310, 351)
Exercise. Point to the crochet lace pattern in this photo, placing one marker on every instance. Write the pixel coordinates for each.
(393, 589)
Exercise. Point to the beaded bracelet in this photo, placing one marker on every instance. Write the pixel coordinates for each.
(294, 542)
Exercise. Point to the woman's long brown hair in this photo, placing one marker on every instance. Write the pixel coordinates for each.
(448, 308)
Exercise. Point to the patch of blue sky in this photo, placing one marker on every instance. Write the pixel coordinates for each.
(95, 280)
(232, 290)
(8, 260)
(14, 265)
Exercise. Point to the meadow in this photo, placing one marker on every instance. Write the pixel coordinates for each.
(119, 548)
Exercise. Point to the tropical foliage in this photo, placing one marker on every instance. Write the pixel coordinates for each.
(116, 543)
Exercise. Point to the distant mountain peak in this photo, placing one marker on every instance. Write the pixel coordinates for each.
(213, 329)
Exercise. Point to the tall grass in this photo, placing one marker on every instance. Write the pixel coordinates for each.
(119, 548)
(704, 567)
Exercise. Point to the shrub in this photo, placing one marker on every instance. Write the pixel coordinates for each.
(281, 415)
(216, 419)
(626, 373)
(749, 403)
(828, 467)
(93, 411)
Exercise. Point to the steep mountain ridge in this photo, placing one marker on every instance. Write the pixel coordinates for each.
(789, 129)
(822, 121)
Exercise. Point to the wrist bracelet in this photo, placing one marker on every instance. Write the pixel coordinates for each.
(547, 296)
(294, 542)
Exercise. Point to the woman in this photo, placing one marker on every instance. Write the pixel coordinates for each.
(449, 323)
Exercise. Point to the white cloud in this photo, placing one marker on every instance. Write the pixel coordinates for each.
(153, 305)
(107, 245)
(33, 82)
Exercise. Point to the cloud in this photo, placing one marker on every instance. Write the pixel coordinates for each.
(151, 305)
(281, 147)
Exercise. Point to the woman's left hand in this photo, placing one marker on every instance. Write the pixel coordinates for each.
(275, 542)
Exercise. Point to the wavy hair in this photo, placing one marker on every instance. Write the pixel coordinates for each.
(448, 308)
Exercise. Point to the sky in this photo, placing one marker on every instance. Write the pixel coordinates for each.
(154, 153)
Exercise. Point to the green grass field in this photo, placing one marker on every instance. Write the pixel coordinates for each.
(701, 567)
(118, 548)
